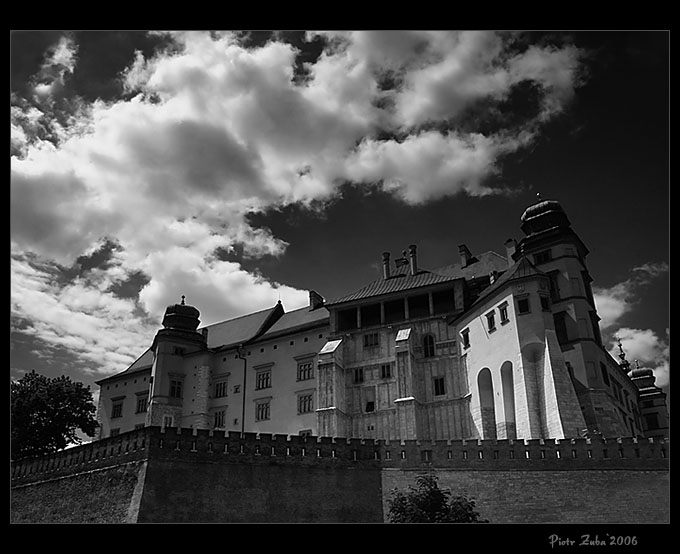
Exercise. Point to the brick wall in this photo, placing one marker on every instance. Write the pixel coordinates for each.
(531, 496)
(200, 475)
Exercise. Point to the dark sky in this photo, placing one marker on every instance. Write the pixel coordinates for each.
(114, 223)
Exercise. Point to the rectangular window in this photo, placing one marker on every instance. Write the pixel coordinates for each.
(385, 371)
(219, 419)
(652, 421)
(221, 389)
(117, 410)
(139, 426)
(371, 340)
(439, 386)
(523, 306)
(178, 351)
(114, 432)
(305, 371)
(168, 421)
(503, 312)
(545, 303)
(359, 375)
(491, 321)
(175, 388)
(542, 257)
(465, 334)
(605, 374)
(554, 285)
(263, 380)
(560, 320)
(141, 404)
(305, 403)
(262, 411)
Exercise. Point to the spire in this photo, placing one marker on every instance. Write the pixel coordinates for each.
(625, 364)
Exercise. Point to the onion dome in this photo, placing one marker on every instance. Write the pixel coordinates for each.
(181, 316)
(543, 215)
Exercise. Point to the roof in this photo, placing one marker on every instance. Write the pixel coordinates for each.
(296, 319)
(240, 329)
(144, 362)
(519, 270)
(401, 279)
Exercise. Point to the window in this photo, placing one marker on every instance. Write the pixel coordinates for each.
(491, 321)
(114, 432)
(428, 346)
(652, 421)
(605, 375)
(178, 351)
(439, 386)
(560, 320)
(263, 379)
(237, 389)
(358, 375)
(305, 403)
(465, 334)
(305, 371)
(139, 426)
(371, 340)
(385, 371)
(117, 409)
(168, 421)
(542, 257)
(221, 389)
(554, 286)
(262, 410)
(503, 312)
(545, 303)
(219, 418)
(141, 404)
(175, 388)
(523, 305)
(305, 433)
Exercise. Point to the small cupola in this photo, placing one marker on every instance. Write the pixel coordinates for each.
(543, 215)
(181, 316)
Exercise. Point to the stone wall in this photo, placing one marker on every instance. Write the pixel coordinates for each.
(183, 475)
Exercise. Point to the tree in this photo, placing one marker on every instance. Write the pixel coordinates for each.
(427, 503)
(46, 414)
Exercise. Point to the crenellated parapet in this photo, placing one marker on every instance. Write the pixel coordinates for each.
(208, 446)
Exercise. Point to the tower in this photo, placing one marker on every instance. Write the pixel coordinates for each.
(605, 393)
(169, 373)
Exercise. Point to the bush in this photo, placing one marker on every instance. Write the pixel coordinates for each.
(427, 503)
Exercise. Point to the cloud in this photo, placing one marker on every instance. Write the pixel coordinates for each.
(646, 347)
(211, 130)
(616, 301)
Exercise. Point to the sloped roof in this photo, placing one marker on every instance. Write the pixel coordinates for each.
(296, 319)
(239, 329)
(144, 362)
(401, 280)
(520, 269)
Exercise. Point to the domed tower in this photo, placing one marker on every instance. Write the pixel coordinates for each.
(175, 347)
(652, 400)
(604, 390)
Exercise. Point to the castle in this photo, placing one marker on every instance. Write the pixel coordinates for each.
(492, 347)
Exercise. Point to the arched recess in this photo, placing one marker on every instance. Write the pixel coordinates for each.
(508, 426)
(486, 403)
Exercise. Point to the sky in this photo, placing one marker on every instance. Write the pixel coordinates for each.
(239, 168)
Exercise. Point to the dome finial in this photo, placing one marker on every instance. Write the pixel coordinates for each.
(183, 297)
(538, 195)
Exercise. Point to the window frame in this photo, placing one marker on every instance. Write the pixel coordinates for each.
(429, 346)
(263, 409)
(439, 384)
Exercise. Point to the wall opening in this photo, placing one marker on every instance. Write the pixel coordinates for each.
(508, 427)
(488, 411)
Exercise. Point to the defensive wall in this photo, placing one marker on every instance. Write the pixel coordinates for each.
(184, 475)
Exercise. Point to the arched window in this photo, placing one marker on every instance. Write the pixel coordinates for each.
(428, 346)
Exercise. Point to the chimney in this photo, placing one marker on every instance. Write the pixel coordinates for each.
(315, 300)
(386, 265)
(510, 247)
(465, 255)
(412, 259)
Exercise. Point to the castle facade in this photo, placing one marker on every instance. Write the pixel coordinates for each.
(490, 347)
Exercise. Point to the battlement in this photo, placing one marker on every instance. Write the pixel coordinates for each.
(264, 448)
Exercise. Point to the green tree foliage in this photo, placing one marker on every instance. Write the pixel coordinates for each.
(46, 414)
(427, 503)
